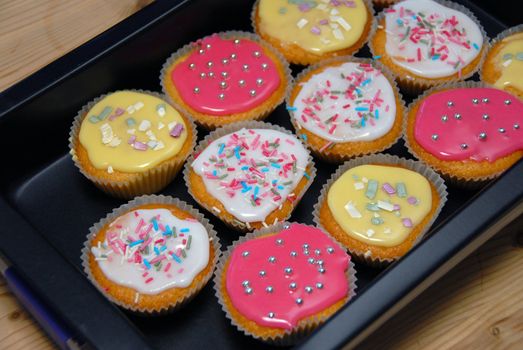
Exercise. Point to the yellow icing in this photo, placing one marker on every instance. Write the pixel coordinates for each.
(392, 232)
(120, 155)
(511, 68)
(280, 18)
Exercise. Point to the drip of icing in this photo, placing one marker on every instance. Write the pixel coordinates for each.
(161, 251)
(379, 205)
(252, 171)
(131, 132)
(468, 128)
(350, 102)
(509, 61)
(429, 39)
(315, 27)
(262, 290)
(226, 76)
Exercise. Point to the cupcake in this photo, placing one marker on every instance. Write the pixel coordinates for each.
(130, 143)
(503, 66)
(225, 78)
(279, 283)
(380, 206)
(468, 132)
(346, 107)
(249, 174)
(151, 255)
(426, 43)
(307, 32)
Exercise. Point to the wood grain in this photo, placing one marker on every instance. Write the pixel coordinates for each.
(479, 304)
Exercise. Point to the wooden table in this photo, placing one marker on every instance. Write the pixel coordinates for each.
(478, 305)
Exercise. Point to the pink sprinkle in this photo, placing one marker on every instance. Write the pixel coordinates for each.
(132, 139)
(180, 270)
(145, 274)
(324, 22)
(290, 142)
(419, 54)
(177, 130)
(407, 222)
(119, 111)
(140, 225)
(315, 30)
(169, 275)
(140, 146)
(149, 280)
(396, 207)
(388, 188)
(412, 200)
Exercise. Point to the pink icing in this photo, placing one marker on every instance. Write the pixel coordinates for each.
(256, 303)
(237, 96)
(474, 129)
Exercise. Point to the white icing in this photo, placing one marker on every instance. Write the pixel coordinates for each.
(428, 67)
(348, 124)
(237, 199)
(123, 270)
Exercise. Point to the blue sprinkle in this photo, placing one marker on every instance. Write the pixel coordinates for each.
(246, 189)
(155, 224)
(184, 230)
(222, 146)
(168, 231)
(245, 167)
(366, 82)
(362, 122)
(164, 247)
(105, 113)
(435, 57)
(276, 165)
(376, 57)
(140, 241)
(377, 114)
(280, 187)
(237, 152)
(400, 22)
(290, 108)
(130, 121)
(358, 91)
(146, 263)
(265, 170)
(304, 137)
(475, 46)
(362, 109)
(214, 172)
(156, 251)
(244, 185)
(93, 119)
(372, 188)
(177, 259)
(274, 182)
(256, 190)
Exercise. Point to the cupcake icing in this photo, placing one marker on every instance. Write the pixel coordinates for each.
(315, 26)
(226, 76)
(379, 204)
(349, 102)
(131, 132)
(509, 61)
(151, 250)
(429, 39)
(252, 171)
(278, 280)
(470, 124)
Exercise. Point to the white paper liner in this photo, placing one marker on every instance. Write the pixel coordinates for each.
(326, 55)
(327, 154)
(152, 199)
(228, 129)
(471, 183)
(147, 182)
(500, 37)
(386, 159)
(232, 34)
(292, 336)
(416, 84)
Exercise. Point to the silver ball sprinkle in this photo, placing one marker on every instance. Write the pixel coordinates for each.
(264, 66)
(286, 226)
(225, 61)
(319, 262)
(201, 51)
(330, 250)
(305, 246)
(293, 285)
(223, 85)
(319, 285)
(435, 137)
(259, 81)
(444, 118)
(208, 46)
(294, 254)
(211, 75)
(196, 90)
(482, 135)
(501, 130)
(516, 126)
(203, 75)
(450, 103)
(321, 270)
(270, 315)
(308, 289)
(269, 289)
(475, 101)
(288, 270)
(245, 254)
(317, 252)
(241, 82)
(252, 93)
(245, 283)
(209, 64)
(225, 74)
(192, 66)
(248, 290)
(221, 96)
(236, 41)
(256, 54)
(311, 260)
(245, 67)
(279, 241)
(234, 56)
(299, 301)
(272, 259)
(262, 273)
(485, 100)
(486, 117)
(464, 146)
(457, 116)
(508, 102)
(306, 252)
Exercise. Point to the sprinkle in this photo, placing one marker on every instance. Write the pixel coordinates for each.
(130, 121)
(358, 186)
(176, 258)
(407, 222)
(401, 189)
(387, 188)
(412, 200)
(177, 130)
(370, 232)
(110, 169)
(184, 230)
(144, 125)
(105, 113)
(351, 209)
(385, 206)
(147, 264)
(292, 109)
(160, 109)
(372, 188)
(302, 23)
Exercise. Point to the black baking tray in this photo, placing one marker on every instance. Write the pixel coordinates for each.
(47, 206)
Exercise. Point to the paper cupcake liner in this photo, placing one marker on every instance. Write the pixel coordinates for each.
(228, 129)
(500, 37)
(290, 337)
(471, 182)
(386, 159)
(326, 55)
(237, 117)
(414, 85)
(152, 199)
(147, 182)
(326, 153)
